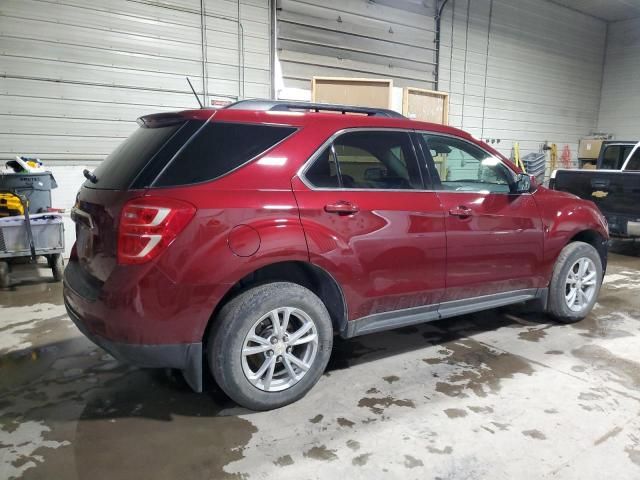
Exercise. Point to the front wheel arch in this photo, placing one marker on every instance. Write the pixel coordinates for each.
(597, 241)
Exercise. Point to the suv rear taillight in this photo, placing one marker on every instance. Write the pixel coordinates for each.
(148, 225)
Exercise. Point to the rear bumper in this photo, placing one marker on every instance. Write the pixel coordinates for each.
(183, 356)
(623, 225)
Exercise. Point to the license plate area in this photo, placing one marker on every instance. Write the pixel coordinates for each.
(85, 231)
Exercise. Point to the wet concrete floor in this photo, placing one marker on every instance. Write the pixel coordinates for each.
(491, 395)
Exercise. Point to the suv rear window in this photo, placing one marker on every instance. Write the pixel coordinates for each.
(218, 149)
(122, 166)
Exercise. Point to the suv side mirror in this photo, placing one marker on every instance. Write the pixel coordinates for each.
(523, 183)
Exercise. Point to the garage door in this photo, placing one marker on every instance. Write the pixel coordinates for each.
(75, 74)
(388, 39)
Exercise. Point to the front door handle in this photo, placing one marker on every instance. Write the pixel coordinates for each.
(461, 211)
(341, 208)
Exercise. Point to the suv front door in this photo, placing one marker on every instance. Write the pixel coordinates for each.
(494, 236)
(370, 223)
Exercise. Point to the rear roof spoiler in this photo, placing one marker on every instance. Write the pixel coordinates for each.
(288, 106)
(156, 120)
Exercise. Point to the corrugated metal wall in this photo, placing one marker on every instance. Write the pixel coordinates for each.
(356, 38)
(75, 74)
(522, 70)
(620, 104)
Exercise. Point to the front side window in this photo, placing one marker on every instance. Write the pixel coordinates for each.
(464, 167)
(375, 160)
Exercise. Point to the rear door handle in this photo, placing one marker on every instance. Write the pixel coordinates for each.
(341, 207)
(461, 211)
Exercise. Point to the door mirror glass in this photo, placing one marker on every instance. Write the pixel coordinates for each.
(523, 183)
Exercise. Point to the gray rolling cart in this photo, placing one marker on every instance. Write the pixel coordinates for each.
(36, 233)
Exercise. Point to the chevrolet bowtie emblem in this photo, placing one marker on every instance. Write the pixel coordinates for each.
(599, 194)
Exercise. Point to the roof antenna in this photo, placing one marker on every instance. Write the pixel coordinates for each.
(194, 92)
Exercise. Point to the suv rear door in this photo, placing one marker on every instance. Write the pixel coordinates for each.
(371, 224)
(494, 237)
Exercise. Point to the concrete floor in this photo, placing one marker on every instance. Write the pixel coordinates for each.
(481, 396)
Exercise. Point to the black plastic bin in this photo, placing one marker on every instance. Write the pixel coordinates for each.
(35, 186)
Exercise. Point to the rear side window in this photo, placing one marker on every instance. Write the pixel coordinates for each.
(122, 166)
(634, 161)
(611, 158)
(371, 160)
(219, 148)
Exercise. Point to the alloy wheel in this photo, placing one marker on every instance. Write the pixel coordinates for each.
(581, 284)
(279, 349)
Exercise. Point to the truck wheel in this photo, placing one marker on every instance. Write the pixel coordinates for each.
(575, 283)
(5, 281)
(57, 266)
(270, 345)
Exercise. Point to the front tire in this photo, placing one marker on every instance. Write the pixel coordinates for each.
(575, 283)
(269, 346)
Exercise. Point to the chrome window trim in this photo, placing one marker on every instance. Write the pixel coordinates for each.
(307, 164)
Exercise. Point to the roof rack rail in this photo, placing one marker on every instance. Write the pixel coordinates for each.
(285, 105)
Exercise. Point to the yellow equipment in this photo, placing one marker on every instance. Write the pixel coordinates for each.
(553, 161)
(10, 205)
(516, 157)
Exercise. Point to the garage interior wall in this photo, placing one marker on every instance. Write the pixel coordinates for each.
(392, 39)
(75, 74)
(522, 70)
(620, 103)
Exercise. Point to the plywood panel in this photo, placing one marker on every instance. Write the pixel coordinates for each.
(363, 92)
(425, 105)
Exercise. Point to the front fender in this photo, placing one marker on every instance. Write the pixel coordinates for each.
(566, 217)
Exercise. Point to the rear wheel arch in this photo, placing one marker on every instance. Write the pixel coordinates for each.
(306, 274)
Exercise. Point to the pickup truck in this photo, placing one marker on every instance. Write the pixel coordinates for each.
(614, 186)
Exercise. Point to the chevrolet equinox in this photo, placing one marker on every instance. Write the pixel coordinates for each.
(243, 239)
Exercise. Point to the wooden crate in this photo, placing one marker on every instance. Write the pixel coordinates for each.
(361, 92)
(425, 105)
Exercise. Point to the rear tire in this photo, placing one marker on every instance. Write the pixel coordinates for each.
(575, 283)
(286, 363)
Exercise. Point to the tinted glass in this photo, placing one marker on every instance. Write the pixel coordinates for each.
(118, 170)
(611, 158)
(464, 167)
(634, 161)
(323, 172)
(626, 150)
(368, 160)
(377, 160)
(219, 148)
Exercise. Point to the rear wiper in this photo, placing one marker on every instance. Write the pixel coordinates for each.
(90, 176)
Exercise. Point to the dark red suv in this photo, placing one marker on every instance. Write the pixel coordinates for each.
(248, 237)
